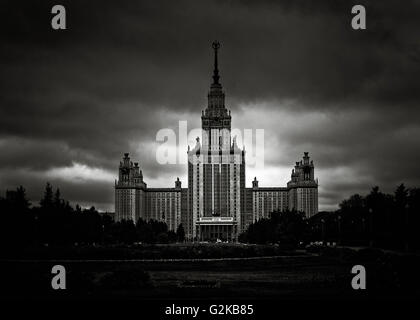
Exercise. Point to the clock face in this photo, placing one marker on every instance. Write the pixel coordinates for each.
(125, 171)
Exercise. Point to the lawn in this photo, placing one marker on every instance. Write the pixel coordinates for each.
(326, 275)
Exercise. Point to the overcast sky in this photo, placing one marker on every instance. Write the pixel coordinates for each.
(72, 102)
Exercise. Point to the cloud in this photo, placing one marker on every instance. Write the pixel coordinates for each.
(73, 102)
(80, 173)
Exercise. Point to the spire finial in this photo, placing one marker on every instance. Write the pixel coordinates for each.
(216, 46)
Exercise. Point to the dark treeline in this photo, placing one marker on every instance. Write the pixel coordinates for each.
(56, 222)
(287, 228)
(378, 219)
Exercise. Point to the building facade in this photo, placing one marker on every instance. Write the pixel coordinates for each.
(216, 171)
(303, 188)
(216, 204)
(134, 200)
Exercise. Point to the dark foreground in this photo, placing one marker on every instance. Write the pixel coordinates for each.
(325, 274)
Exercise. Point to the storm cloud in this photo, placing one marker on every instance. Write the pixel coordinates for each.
(73, 101)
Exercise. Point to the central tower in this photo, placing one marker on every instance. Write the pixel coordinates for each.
(215, 119)
(216, 171)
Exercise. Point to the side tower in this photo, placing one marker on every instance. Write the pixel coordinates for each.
(303, 188)
(129, 191)
(216, 171)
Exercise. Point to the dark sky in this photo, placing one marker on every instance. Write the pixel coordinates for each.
(72, 102)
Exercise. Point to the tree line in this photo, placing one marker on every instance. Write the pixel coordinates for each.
(284, 227)
(55, 222)
(377, 219)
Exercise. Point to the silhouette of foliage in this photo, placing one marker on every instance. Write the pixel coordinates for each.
(56, 223)
(376, 219)
(180, 233)
(286, 227)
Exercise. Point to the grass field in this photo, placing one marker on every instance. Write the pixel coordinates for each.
(298, 276)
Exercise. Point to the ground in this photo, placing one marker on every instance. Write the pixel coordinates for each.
(294, 275)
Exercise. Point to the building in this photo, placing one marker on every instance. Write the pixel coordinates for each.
(303, 188)
(216, 204)
(266, 200)
(134, 200)
(216, 171)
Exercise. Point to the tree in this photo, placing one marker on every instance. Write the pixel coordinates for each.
(414, 218)
(180, 233)
(144, 231)
(172, 236)
(401, 196)
(401, 216)
(57, 199)
(286, 227)
(162, 237)
(290, 226)
(47, 201)
(127, 231)
(355, 204)
(16, 200)
(18, 224)
(22, 203)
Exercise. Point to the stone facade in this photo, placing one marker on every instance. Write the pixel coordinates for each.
(216, 204)
(134, 200)
(303, 188)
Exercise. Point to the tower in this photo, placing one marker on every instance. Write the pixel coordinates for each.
(129, 191)
(215, 119)
(216, 170)
(178, 184)
(303, 187)
(255, 183)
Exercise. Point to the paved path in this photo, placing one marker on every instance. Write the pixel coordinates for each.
(153, 260)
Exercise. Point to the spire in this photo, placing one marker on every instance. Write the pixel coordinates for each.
(216, 46)
(216, 97)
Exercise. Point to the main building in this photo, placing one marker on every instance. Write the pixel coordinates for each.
(216, 204)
